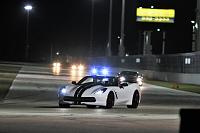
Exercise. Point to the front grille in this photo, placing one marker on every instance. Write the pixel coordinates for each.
(79, 99)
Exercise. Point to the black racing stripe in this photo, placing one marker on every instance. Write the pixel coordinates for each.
(84, 89)
(79, 90)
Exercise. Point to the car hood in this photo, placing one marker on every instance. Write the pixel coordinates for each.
(89, 87)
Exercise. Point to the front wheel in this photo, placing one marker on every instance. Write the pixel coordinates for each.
(110, 101)
(135, 100)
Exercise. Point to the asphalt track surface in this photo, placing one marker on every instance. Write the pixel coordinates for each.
(31, 106)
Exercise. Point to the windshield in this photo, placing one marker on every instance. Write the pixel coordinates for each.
(129, 73)
(105, 81)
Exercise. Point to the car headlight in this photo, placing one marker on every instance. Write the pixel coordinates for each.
(122, 79)
(100, 91)
(56, 64)
(63, 91)
(80, 67)
(73, 67)
(139, 79)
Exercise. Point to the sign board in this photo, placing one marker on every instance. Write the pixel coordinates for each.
(155, 15)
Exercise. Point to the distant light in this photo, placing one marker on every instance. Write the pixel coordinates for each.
(196, 26)
(152, 6)
(74, 67)
(28, 7)
(57, 53)
(94, 71)
(105, 71)
(140, 7)
(80, 67)
(158, 30)
(127, 54)
(118, 37)
(56, 64)
(193, 22)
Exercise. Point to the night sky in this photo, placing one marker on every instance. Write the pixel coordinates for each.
(64, 26)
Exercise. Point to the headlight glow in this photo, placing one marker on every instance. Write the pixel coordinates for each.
(122, 79)
(80, 67)
(63, 91)
(139, 79)
(73, 67)
(56, 64)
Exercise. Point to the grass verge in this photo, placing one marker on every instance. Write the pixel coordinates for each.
(177, 86)
(7, 75)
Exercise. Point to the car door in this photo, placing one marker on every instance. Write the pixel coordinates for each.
(121, 95)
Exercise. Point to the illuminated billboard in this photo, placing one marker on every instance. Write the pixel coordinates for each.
(155, 15)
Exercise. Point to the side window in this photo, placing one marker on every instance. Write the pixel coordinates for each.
(88, 80)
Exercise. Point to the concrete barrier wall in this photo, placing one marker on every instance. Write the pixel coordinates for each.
(181, 68)
(173, 77)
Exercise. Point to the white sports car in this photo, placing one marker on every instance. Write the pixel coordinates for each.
(103, 91)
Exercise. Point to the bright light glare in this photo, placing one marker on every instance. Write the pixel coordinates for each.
(56, 70)
(56, 64)
(63, 91)
(28, 7)
(158, 30)
(80, 67)
(139, 80)
(105, 71)
(73, 67)
(122, 79)
(94, 71)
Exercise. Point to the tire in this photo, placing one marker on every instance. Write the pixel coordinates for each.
(135, 100)
(110, 101)
(91, 106)
(62, 105)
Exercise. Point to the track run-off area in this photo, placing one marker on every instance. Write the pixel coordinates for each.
(31, 106)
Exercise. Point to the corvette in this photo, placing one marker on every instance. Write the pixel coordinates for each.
(102, 91)
(131, 76)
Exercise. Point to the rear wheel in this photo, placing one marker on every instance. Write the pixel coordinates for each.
(135, 100)
(110, 100)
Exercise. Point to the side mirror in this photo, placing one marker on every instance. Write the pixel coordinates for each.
(122, 85)
(74, 82)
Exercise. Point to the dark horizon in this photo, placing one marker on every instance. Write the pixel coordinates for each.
(65, 27)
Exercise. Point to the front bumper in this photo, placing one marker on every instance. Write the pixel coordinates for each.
(78, 100)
